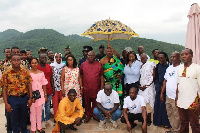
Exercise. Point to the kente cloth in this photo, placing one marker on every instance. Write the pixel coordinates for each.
(67, 112)
(113, 69)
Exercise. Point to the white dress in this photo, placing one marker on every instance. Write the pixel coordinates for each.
(146, 78)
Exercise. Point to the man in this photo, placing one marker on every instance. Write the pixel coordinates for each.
(170, 83)
(5, 65)
(91, 74)
(6, 62)
(67, 51)
(28, 53)
(107, 106)
(155, 56)
(42, 50)
(23, 55)
(29, 57)
(135, 106)
(17, 93)
(113, 69)
(160, 117)
(70, 112)
(101, 54)
(85, 51)
(147, 87)
(187, 93)
(48, 72)
(141, 51)
(15, 51)
(50, 57)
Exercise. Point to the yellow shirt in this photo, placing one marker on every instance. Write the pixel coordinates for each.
(67, 109)
(16, 82)
(67, 112)
(152, 60)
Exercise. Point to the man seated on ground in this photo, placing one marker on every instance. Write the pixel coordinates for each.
(137, 111)
(69, 112)
(107, 105)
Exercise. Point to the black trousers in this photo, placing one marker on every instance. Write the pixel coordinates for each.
(8, 119)
(132, 117)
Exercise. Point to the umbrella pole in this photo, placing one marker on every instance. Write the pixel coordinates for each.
(108, 40)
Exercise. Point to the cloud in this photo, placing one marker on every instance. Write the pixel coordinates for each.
(74, 17)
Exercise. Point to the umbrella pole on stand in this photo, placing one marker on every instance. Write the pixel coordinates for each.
(108, 41)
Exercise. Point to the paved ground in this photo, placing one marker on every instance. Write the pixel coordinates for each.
(91, 127)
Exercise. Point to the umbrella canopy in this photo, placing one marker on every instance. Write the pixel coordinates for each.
(193, 32)
(109, 30)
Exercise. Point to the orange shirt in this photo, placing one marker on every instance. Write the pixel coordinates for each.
(16, 82)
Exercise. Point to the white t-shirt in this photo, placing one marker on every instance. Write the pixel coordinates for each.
(107, 101)
(134, 106)
(171, 85)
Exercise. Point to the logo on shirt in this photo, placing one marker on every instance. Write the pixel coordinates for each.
(134, 106)
(172, 74)
(108, 101)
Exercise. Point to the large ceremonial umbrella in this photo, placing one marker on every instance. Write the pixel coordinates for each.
(193, 32)
(109, 30)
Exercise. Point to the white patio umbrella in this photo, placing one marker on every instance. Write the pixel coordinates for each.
(193, 32)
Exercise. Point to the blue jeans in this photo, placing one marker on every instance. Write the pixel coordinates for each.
(115, 115)
(18, 114)
(47, 107)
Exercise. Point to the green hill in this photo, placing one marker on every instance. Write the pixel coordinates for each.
(9, 34)
(56, 42)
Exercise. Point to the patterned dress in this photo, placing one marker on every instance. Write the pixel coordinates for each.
(71, 81)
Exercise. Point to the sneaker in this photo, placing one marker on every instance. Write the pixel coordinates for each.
(43, 125)
(101, 123)
(50, 123)
(114, 123)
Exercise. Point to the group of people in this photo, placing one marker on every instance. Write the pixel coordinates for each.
(130, 88)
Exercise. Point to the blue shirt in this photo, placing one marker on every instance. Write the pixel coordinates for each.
(132, 74)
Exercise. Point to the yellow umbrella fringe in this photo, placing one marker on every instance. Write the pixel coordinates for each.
(112, 32)
(110, 39)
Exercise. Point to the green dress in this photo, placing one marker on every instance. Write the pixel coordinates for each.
(113, 69)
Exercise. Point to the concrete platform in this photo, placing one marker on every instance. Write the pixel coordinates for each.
(91, 127)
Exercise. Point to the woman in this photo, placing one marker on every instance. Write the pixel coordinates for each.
(160, 117)
(131, 71)
(70, 77)
(57, 67)
(39, 84)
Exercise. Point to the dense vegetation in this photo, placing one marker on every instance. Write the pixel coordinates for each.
(56, 42)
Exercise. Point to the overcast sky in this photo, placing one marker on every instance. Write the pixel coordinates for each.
(155, 19)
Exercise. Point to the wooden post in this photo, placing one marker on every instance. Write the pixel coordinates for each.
(108, 40)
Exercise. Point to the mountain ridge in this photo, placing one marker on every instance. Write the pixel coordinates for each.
(55, 41)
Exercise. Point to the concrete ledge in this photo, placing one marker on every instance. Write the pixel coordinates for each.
(1, 100)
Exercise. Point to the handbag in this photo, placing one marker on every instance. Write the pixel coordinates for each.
(36, 94)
